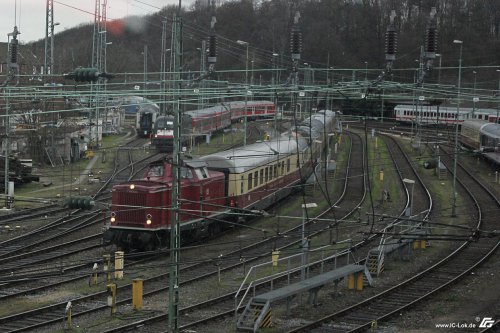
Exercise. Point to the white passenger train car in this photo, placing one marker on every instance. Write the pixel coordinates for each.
(441, 115)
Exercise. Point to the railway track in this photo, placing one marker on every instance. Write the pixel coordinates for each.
(456, 265)
(196, 272)
(223, 303)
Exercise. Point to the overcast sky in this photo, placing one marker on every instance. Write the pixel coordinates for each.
(30, 18)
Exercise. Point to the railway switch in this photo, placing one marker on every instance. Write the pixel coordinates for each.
(111, 289)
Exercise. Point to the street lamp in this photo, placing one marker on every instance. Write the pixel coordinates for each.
(498, 102)
(412, 183)
(454, 205)
(52, 46)
(275, 57)
(240, 42)
(474, 95)
(439, 71)
(304, 239)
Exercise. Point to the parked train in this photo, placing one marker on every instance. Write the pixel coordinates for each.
(20, 171)
(483, 137)
(145, 118)
(429, 115)
(217, 187)
(205, 121)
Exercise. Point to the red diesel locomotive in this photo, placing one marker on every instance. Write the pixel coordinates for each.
(216, 188)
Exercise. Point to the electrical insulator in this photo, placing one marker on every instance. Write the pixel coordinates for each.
(391, 43)
(13, 51)
(296, 43)
(87, 75)
(431, 40)
(431, 36)
(80, 202)
(212, 49)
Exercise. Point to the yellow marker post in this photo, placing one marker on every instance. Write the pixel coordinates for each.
(275, 257)
(111, 288)
(69, 320)
(107, 266)
(423, 244)
(137, 294)
(119, 261)
(350, 281)
(359, 282)
(93, 278)
(381, 175)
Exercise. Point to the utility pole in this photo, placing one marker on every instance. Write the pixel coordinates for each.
(49, 37)
(175, 237)
(145, 67)
(201, 101)
(454, 205)
(163, 68)
(96, 63)
(296, 48)
(13, 72)
(240, 42)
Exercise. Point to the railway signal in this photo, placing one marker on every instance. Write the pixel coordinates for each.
(430, 164)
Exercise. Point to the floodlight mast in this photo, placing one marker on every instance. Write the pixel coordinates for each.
(175, 235)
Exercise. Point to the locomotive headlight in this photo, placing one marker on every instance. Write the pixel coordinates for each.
(132, 186)
(113, 217)
(148, 219)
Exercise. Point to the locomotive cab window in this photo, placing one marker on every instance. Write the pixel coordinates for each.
(201, 173)
(155, 171)
(186, 173)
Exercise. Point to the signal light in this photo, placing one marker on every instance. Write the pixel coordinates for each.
(430, 164)
(80, 202)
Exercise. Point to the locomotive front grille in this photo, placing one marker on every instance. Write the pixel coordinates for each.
(129, 210)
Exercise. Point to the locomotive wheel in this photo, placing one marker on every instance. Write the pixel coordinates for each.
(214, 230)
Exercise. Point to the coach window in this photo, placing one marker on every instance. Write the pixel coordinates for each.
(266, 177)
(255, 179)
(298, 162)
(282, 168)
(275, 171)
(242, 187)
(287, 165)
(250, 183)
(261, 176)
(480, 116)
